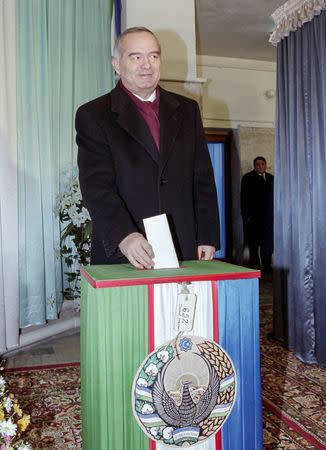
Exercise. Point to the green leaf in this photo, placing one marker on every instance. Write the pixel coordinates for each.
(66, 232)
(88, 230)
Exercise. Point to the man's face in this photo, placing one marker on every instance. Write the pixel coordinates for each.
(260, 166)
(139, 66)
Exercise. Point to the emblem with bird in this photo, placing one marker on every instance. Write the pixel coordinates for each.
(188, 413)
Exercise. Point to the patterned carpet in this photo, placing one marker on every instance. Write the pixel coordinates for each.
(294, 400)
(294, 396)
(52, 397)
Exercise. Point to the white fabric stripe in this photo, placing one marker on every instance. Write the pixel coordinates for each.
(165, 299)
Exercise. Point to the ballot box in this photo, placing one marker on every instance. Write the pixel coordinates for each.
(126, 313)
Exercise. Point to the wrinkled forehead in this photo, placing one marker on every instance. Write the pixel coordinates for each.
(139, 42)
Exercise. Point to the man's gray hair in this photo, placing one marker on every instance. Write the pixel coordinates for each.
(118, 46)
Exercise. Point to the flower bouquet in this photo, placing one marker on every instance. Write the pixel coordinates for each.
(75, 237)
(12, 421)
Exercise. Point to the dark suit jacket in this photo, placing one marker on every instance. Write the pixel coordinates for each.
(257, 205)
(123, 177)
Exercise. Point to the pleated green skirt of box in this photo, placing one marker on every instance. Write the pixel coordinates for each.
(126, 313)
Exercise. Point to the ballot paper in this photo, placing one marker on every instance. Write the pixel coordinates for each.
(159, 236)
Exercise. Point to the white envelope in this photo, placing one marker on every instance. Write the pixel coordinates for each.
(159, 236)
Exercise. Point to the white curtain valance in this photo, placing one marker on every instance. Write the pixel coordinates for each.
(292, 15)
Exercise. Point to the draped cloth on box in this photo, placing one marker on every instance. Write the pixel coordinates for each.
(127, 313)
(300, 207)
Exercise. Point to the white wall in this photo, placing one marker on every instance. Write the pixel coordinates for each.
(235, 92)
(174, 24)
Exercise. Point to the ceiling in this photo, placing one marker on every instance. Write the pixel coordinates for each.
(236, 28)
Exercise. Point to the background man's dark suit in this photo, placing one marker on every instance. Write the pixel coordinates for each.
(257, 214)
(124, 178)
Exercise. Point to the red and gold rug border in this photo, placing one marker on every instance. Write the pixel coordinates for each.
(312, 439)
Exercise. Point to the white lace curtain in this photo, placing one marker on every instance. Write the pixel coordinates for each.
(292, 15)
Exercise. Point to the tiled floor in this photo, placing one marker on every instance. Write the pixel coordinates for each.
(65, 348)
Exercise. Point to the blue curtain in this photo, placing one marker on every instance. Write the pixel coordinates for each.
(63, 60)
(300, 206)
(217, 154)
(117, 17)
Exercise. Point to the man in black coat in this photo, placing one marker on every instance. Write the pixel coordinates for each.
(142, 152)
(257, 213)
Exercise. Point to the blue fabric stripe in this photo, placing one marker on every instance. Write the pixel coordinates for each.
(238, 306)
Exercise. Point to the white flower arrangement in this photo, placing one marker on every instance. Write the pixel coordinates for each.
(75, 237)
(12, 421)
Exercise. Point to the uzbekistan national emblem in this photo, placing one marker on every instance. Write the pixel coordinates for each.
(184, 391)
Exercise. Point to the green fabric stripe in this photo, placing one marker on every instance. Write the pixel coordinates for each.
(114, 341)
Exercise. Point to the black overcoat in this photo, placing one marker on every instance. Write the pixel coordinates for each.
(124, 178)
(257, 205)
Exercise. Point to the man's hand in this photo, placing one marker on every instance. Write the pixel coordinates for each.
(138, 251)
(205, 252)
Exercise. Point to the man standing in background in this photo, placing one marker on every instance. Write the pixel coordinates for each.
(142, 152)
(257, 214)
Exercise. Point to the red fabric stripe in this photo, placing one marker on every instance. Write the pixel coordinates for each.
(151, 336)
(150, 293)
(91, 281)
(286, 419)
(218, 438)
(215, 311)
(218, 441)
